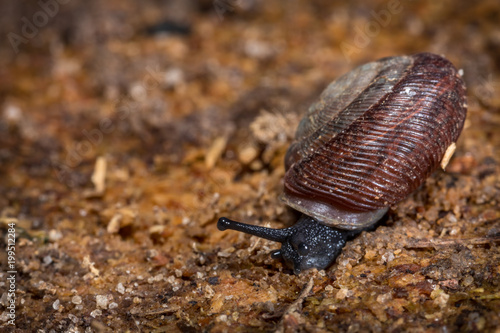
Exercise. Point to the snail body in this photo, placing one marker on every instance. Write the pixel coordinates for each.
(373, 136)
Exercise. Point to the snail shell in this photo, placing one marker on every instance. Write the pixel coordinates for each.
(373, 137)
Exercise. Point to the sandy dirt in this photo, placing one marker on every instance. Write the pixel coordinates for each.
(128, 127)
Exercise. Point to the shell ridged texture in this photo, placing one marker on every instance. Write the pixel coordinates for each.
(376, 133)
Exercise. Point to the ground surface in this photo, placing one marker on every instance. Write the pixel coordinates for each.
(122, 140)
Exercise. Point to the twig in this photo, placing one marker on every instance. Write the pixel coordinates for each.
(158, 312)
(294, 306)
(136, 324)
(438, 242)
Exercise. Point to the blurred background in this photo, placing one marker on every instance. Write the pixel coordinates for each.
(189, 71)
(127, 127)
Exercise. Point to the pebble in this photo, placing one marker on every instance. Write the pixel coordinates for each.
(120, 288)
(96, 313)
(76, 300)
(102, 301)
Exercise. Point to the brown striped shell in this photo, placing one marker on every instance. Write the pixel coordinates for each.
(373, 137)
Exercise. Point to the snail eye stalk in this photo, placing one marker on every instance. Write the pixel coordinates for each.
(275, 235)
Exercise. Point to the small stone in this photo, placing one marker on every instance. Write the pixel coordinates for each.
(440, 297)
(12, 113)
(258, 49)
(137, 91)
(102, 301)
(120, 288)
(247, 154)
(467, 281)
(173, 77)
(209, 292)
(4, 316)
(384, 298)
(226, 252)
(343, 293)
(56, 304)
(222, 318)
(96, 313)
(4, 300)
(47, 260)
(55, 235)
(76, 300)
(388, 256)
(73, 318)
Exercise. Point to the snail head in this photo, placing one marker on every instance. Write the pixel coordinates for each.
(307, 244)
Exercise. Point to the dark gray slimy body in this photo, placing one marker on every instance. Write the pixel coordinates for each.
(307, 244)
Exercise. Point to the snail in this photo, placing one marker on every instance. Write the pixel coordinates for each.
(372, 137)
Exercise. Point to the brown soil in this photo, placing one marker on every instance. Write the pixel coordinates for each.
(122, 140)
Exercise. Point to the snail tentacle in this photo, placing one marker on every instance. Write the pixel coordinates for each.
(305, 245)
